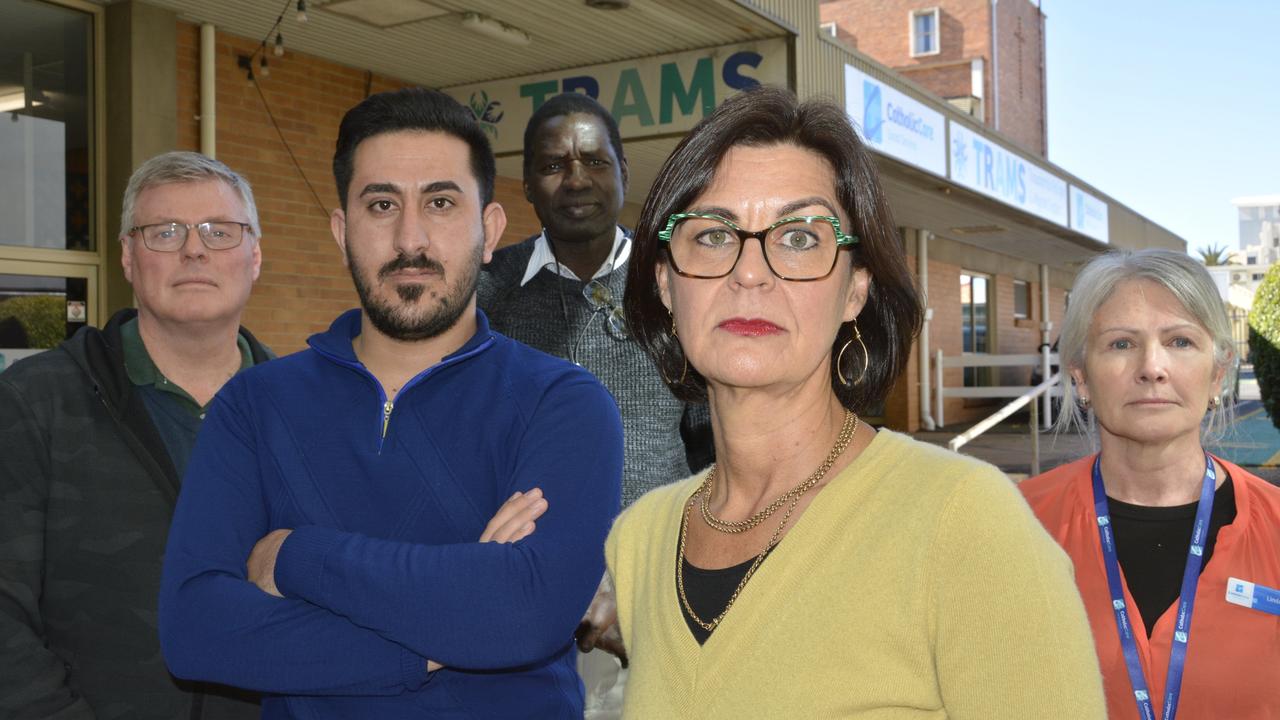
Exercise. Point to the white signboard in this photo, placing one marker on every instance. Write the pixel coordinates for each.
(894, 123)
(991, 169)
(648, 96)
(1089, 215)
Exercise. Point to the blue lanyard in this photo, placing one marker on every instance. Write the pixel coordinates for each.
(1186, 601)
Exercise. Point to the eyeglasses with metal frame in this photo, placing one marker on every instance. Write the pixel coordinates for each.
(600, 299)
(800, 248)
(171, 237)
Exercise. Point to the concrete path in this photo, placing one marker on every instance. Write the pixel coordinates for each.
(1253, 440)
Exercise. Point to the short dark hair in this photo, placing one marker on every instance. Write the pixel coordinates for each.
(411, 109)
(568, 104)
(764, 116)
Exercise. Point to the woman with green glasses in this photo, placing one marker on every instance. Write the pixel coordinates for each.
(820, 568)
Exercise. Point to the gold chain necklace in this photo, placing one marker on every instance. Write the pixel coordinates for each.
(847, 430)
(684, 527)
(842, 442)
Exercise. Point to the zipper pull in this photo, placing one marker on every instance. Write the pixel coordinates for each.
(386, 417)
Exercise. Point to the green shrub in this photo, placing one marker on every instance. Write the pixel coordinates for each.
(43, 317)
(1264, 341)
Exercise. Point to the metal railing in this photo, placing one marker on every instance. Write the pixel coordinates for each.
(1044, 359)
(1027, 397)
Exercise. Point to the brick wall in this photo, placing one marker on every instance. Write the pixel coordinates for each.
(881, 29)
(949, 80)
(945, 331)
(304, 284)
(1022, 91)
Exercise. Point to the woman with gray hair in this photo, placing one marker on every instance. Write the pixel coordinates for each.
(1176, 551)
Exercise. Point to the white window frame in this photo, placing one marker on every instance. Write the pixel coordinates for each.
(829, 29)
(1026, 286)
(937, 31)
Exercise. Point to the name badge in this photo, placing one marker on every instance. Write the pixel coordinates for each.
(1252, 595)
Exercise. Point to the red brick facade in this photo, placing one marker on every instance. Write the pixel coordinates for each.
(882, 30)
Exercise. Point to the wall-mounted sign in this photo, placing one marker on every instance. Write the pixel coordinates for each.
(894, 123)
(989, 168)
(1089, 215)
(648, 96)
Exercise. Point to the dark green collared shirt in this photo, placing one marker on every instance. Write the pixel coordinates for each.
(144, 373)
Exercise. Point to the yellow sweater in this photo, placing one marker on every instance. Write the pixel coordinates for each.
(917, 585)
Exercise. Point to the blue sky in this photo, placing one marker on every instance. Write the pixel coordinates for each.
(1172, 108)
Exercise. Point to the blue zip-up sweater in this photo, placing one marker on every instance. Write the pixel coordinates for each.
(383, 569)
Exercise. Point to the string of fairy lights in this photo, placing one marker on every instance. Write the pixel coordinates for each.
(277, 47)
(258, 58)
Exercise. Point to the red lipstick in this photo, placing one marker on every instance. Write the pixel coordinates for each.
(749, 327)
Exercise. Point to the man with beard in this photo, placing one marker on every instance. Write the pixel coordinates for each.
(356, 533)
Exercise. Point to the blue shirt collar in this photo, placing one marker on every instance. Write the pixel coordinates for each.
(336, 341)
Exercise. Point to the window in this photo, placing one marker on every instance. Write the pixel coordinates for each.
(1259, 276)
(39, 311)
(1253, 260)
(924, 32)
(1021, 299)
(50, 211)
(45, 129)
(974, 311)
(828, 29)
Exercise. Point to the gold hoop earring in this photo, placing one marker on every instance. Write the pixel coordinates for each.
(865, 358)
(1085, 403)
(1213, 404)
(684, 372)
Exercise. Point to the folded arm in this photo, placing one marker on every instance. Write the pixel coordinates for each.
(485, 605)
(361, 615)
(217, 626)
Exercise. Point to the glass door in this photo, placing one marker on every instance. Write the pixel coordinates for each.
(975, 325)
(42, 304)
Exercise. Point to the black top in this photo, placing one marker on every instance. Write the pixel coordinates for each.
(1152, 543)
(709, 592)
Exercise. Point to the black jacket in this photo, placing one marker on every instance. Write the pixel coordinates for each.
(87, 490)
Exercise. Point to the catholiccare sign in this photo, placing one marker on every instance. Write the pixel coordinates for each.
(988, 167)
(648, 96)
(894, 123)
(1089, 215)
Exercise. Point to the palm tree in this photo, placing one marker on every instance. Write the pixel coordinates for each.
(1214, 255)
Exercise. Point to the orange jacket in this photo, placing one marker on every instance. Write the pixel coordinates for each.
(1233, 657)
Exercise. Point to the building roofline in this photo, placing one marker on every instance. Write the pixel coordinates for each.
(1256, 201)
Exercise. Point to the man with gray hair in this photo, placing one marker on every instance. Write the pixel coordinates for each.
(95, 435)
